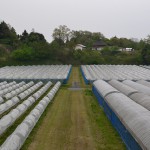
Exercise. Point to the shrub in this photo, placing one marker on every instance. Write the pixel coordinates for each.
(25, 53)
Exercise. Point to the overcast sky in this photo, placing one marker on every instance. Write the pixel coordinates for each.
(123, 18)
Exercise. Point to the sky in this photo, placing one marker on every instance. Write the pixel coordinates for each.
(121, 18)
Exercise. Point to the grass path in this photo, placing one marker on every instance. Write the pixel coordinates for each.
(74, 121)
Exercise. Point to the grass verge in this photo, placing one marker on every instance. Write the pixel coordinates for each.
(105, 136)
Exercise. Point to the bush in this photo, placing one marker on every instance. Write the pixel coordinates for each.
(25, 53)
(41, 50)
(113, 50)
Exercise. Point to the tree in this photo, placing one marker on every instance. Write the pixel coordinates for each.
(147, 40)
(145, 54)
(61, 33)
(97, 36)
(23, 54)
(36, 37)
(122, 43)
(86, 38)
(112, 51)
(24, 37)
(4, 30)
(41, 50)
(8, 34)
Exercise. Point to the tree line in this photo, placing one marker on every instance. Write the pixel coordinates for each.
(32, 48)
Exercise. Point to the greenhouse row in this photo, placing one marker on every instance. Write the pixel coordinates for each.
(42, 73)
(18, 90)
(144, 66)
(14, 114)
(21, 133)
(6, 85)
(117, 72)
(7, 104)
(11, 89)
(22, 88)
(127, 106)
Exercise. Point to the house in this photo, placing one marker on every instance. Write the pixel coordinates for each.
(80, 47)
(126, 49)
(99, 45)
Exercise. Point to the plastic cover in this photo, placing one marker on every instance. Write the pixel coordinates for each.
(104, 88)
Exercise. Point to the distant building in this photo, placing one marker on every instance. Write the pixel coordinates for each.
(126, 49)
(80, 47)
(99, 45)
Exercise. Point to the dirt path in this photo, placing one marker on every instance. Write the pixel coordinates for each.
(72, 123)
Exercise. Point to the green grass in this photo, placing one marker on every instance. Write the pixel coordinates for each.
(88, 92)
(106, 137)
(36, 127)
(88, 122)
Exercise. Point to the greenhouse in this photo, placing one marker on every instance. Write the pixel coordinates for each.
(92, 73)
(18, 137)
(127, 106)
(44, 73)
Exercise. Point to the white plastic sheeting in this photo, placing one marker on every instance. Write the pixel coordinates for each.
(18, 137)
(42, 90)
(143, 82)
(137, 86)
(2, 83)
(14, 114)
(1, 100)
(11, 86)
(21, 108)
(30, 90)
(35, 72)
(142, 99)
(8, 104)
(18, 90)
(147, 67)
(134, 117)
(117, 72)
(7, 85)
(127, 90)
(138, 97)
(104, 88)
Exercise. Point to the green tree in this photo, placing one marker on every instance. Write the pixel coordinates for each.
(145, 54)
(23, 54)
(86, 38)
(62, 33)
(4, 30)
(113, 50)
(41, 50)
(24, 37)
(36, 37)
(147, 40)
(8, 34)
(122, 43)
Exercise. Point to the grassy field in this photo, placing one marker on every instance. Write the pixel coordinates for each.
(74, 121)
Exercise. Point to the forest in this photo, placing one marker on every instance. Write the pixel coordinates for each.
(32, 48)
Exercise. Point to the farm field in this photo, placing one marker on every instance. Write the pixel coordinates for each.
(124, 93)
(74, 120)
(22, 103)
